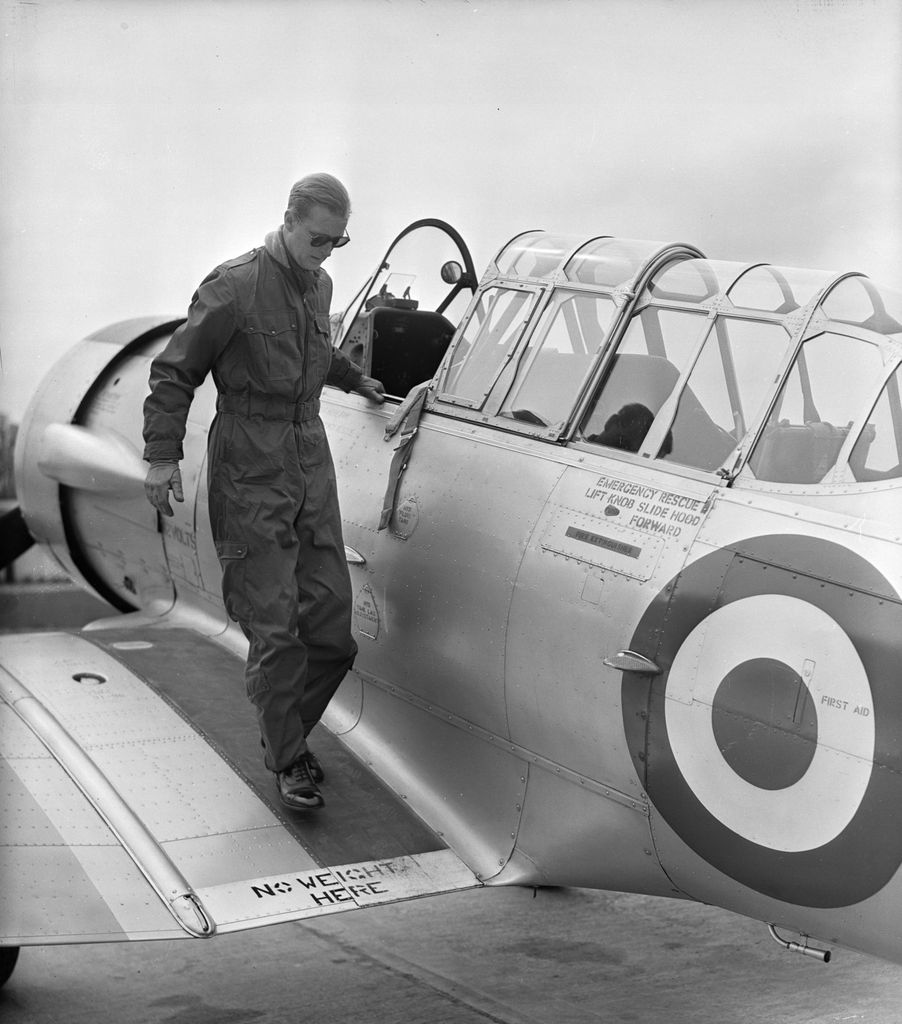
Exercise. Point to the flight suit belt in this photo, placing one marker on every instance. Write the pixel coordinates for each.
(267, 407)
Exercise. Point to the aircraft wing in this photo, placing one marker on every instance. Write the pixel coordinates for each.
(136, 804)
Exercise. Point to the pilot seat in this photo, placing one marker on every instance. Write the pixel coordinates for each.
(398, 345)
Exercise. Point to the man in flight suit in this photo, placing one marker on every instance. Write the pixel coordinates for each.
(260, 325)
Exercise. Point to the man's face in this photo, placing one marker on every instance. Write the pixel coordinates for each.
(300, 233)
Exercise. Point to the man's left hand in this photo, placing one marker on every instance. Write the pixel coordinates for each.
(371, 389)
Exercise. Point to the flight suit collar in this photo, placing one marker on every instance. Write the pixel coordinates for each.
(275, 246)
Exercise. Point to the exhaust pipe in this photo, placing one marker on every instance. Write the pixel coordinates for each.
(800, 947)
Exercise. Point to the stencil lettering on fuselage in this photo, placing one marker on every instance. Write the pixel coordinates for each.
(650, 509)
(600, 542)
(778, 699)
(366, 613)
(406, 518)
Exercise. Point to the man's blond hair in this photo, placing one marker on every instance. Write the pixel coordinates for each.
(319, 190)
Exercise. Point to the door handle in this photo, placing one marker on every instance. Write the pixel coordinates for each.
(630, 661)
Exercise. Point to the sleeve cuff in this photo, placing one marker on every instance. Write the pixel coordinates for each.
(162, 451)
(345, 374)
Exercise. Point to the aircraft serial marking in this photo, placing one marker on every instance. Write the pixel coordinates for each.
(603, 543)
(187, 538)
(630, 550)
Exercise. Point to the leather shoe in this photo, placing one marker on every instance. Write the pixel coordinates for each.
(297, 788)
(316, 769)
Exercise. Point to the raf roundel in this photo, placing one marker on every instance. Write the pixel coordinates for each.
(767, 744)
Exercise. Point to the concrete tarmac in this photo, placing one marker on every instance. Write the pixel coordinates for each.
(561, 956)
(511, 956)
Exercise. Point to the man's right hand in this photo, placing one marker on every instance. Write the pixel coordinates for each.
(371, 389)
(161, 477)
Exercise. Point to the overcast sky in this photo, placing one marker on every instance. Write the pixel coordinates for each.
(145, 141)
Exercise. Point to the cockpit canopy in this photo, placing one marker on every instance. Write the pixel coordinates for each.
(786, 376)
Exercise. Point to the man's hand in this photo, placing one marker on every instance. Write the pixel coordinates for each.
(371, 389)
(161, 477)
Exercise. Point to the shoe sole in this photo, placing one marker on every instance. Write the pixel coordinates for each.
(293, 805)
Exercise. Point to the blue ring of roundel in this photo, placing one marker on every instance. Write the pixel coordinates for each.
(867, 853)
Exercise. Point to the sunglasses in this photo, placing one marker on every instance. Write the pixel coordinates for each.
(319, 240)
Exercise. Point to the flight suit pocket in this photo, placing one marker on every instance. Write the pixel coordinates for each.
(233, 558)
(319, 351)
(231, 549)
(274, 351)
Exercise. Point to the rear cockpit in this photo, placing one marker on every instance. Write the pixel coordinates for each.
(779, 378)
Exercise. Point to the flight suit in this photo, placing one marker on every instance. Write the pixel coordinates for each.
(260, 325)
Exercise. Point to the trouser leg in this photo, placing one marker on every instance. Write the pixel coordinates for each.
(266, 608)
(285, 581)
(324, 590)
(274, 678)
(258, 550)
